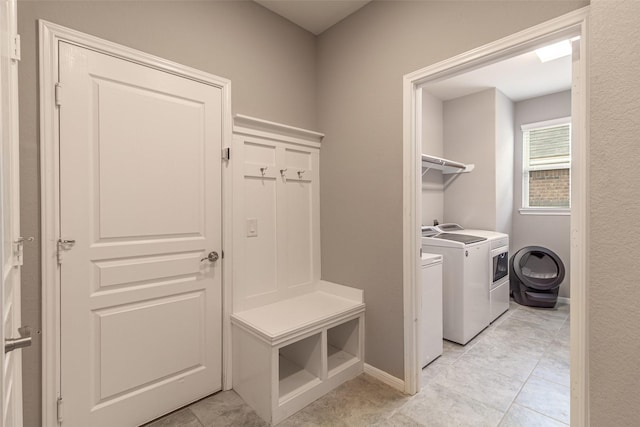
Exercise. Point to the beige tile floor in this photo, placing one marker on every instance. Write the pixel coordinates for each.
(514, 374)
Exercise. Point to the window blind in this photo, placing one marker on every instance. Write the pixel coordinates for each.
(549, 145)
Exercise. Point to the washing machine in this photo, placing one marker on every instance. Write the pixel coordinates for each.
(465, 308)
(498, 260)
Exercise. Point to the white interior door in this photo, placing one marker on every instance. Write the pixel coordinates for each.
(140, 206)
(10, 249)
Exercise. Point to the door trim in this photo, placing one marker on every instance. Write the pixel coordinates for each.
(571, 24)
(50, 35)
(9, 113)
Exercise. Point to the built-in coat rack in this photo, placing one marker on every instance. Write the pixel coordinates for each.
(444, 165)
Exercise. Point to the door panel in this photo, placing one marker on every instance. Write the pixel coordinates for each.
(160, 318)
(168, 198)
(140, 194)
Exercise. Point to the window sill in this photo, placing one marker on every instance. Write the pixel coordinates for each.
(545, 211)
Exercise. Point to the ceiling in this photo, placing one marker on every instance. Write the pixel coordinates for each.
(521, 77)
(314, 16)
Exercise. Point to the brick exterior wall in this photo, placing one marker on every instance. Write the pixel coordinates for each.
(549, 188)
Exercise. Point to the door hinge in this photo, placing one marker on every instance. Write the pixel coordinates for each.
(60, 408)
(58, 94)
(226, 153)
(18, 250)
(15, 48)
(62, 247)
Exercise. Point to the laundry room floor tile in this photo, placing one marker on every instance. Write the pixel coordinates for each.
(226, 409)
(519, 416)
(545, 397)
(486, 386)
(515, 328)
(554, 366)
(550, 318)
(183, 418)
(503, 359)
(437, 405)
(362, 401)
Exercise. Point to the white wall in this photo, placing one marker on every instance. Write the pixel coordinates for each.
(469, 135)
(478, 130)
(550, 231)
(504, 149)
(432, 144)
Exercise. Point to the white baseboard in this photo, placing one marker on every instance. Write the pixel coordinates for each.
(386, 378)
(564, 300)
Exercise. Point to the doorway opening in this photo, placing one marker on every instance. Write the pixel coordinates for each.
(442, 88)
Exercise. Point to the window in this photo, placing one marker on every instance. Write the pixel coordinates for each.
(546, 165)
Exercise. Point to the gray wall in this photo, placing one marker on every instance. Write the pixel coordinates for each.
(270, 61)
(360, 66)
(550, 231)
(614, 237)
(361, 62)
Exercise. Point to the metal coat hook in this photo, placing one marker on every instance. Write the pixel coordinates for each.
(300, 173)
(283, 172)
(264, 170)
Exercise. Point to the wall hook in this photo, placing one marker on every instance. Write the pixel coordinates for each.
(283, 172)
(300, 173)
(264, 170)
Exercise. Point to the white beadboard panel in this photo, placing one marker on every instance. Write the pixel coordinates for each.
(260, 256)
(299, 233)
(297, 160)
(259, 154)
(276, 187)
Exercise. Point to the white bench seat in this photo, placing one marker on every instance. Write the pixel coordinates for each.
(286, 319)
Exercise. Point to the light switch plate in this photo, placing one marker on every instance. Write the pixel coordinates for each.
(252, 227)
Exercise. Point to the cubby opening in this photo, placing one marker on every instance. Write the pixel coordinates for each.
(343, 346)
(299, 366)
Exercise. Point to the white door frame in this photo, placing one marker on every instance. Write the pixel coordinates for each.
(569, 25)
(9, 126)
(50, 37)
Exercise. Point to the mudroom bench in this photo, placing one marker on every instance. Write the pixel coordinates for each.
(294, 337)
(289, 353)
